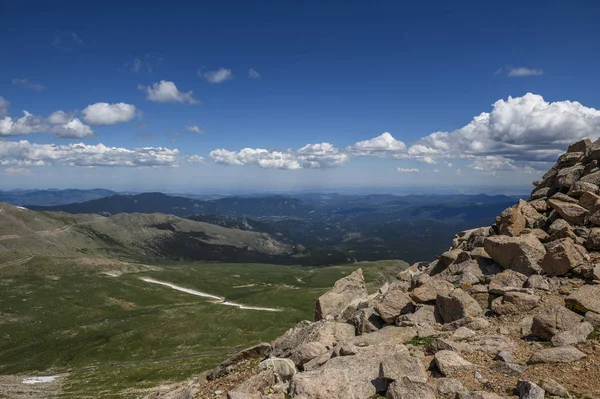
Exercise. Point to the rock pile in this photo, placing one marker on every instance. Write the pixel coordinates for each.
(509, 310)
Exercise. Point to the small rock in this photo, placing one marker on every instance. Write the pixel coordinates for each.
(410, 388)
(537, 282)
(462, 333)
(394, 303)
(581, 187)
(449, 363)
(530, 390)
(593, 318)
(585, 299)
(572, 213)
(562, 255)
(449, 387)
(514, 302)
(562, 354)
(554, 388)
(429, 291)
(504, 356)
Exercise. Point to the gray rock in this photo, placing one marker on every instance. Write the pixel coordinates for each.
(593, 318)
(478, 395)
(510, 369)
(456, 305)
(327, 333)
(473, 323)
(410, 388)
(222, 369)
(448, 387)
(521, 254)
(569, 159)
(554, 388)
(563, 197)
(394, 303)
(508, 280)
(579, 146)
(592, 177)
(562, 255)
(537, 282)
(579, 188)
(514, 302)
(596, 272)
(575, 335)
(530, 390)
(450, 363)
(366, 321)
(462, 333)
(425, 314)
(585, 299)
(505, 357)
(593, 216)
(551, 321)
(345, 290)
(572, 213)
(429, 291)
(568, 176)
(588, 200)
(560, 228)
(253, 387)
(561, 354)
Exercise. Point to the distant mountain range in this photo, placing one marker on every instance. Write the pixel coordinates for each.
(354, 227)
(52, 197)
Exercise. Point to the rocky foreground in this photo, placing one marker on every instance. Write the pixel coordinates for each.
(511, 310)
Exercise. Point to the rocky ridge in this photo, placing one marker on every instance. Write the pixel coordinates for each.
(510, 310)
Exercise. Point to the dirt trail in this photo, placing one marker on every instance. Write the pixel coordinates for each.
(16, 262)
(218, 300)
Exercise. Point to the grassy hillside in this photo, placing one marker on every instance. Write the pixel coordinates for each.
(60, 314)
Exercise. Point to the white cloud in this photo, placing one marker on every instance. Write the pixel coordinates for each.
(428, 160)
(323, 155)
(59, 118)
(166, 92)
(384, 145)
(405, 170)
(194, 129)
(108, 114)
(28, 84)
(218, 76)
(253, 74)
(521, 129)
(26, 124)
(3, 107)
(524, 71)
(25, 154)
(73, 129)
(194, 159)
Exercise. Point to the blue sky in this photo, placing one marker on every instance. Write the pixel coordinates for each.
(275, 77)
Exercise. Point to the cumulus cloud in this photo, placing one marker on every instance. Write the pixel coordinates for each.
(323, 155)
(253, 74)
(405, 170)
(384, 145)
(3, 106)
(167, 92)
(194, 159)
(73, 129)
(60, 123)
(194, 129)
(28, 84)
(520, 129)
(428, 160)
(218, 76)
(108, 114)
(25, 154)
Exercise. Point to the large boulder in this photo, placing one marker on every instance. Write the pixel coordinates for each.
(345, 290)
(508, 280)
(579, 146)
(394, 303)
(572, 213)
(551, 321)
(585, 299)
(562, 255)
(581, 187)
(568, 176)
(457, 305)
(588, 200)
(514, 302)
(512, 221)
(308, 340)
(357, 376)
(521, 254)
(575, 335)
(429, 291)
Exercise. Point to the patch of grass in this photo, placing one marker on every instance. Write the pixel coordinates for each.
(512, 391)
(421, 341)
(594, 335)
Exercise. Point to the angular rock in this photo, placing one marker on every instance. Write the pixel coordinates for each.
(473, 323)
(530, 390)
(588, 200)
(462, 333)
(327, 333)
(456, 305)
(585, 299)
(581, 187)
(539, 205)
(514, 302)
(537, 282)
(429, 291)
(563, 197)
(410, 388)
(425, 314)
(592, 242)
(575, 335)
(521, 254)
(253, 387)
(568, 176)
(569, 159)
(394, 303)
(259, 350)
(366, 321)
(592, 151)
(591, 177)
(572, 213)
(562, 354)
(491, 343)
(450, 363)
(551, 321)
(511, 222)
(448, 257)
(479, 395)
(562, 255)
(593, 318)
(345, 290)
(560, 228)
(401, 365)
(554, 388)
(579, 146)
(542, 192)
(448, 387)
(508, 280)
